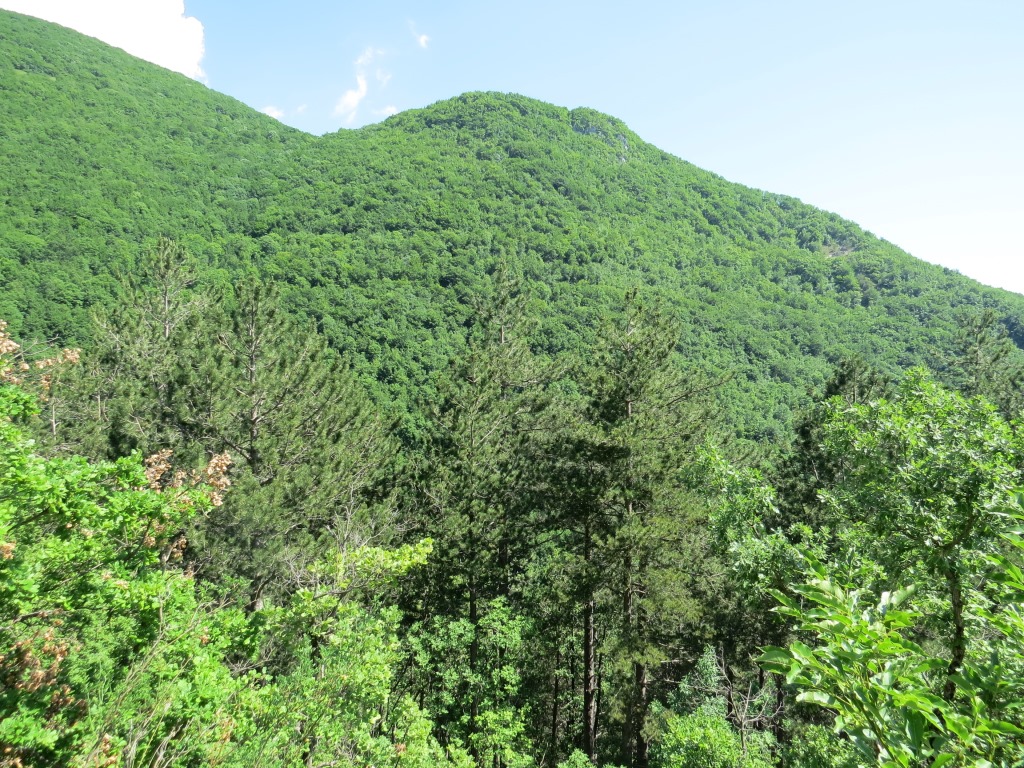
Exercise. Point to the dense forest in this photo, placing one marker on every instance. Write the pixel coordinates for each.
(488, 436)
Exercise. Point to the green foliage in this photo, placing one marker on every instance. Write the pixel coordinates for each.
(705, 739)
(914, 483)
(816, 746)
(470, 674)
(108, 649)
(928, 475)
(331, 699)
(884, 688)
(927, 469)
(712, 722)
(577, 759)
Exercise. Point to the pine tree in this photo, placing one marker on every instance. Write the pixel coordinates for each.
(311, 452)
(189, 372)
(472, 499)
(986, 362)
(635, 520)
(129, 393)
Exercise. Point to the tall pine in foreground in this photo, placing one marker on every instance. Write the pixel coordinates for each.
(472, 499)
(311, 452)
(135, 388)
(184, 371)
(639, 528)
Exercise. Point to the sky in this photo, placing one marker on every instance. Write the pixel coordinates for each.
(905, 116)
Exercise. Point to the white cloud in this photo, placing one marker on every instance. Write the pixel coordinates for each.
(348, 104)
(301, 109)
(383, 78)
(273, 111)
(421, 39)
(389, 110)
(366, 57)
(154, 30)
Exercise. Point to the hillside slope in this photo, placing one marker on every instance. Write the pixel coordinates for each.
(385, 234)
(103, 152)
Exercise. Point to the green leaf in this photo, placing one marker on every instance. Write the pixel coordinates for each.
(816, 697)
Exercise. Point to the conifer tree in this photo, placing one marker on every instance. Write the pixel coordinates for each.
(310, 450)
(186, 371)
(472, 500)
(986, 362)
(130, 392)
(635, 519)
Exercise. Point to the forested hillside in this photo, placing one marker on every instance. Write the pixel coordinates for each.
(486, 436)
(383, 235)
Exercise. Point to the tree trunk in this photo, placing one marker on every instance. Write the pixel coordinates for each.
(626, 746)
(589, 658)
(640, 714)
(474, 652)
(958, 644)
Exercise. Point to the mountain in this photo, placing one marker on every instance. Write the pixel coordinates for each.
(384, 235)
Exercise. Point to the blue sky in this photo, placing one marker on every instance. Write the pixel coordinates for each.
(905, 116)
